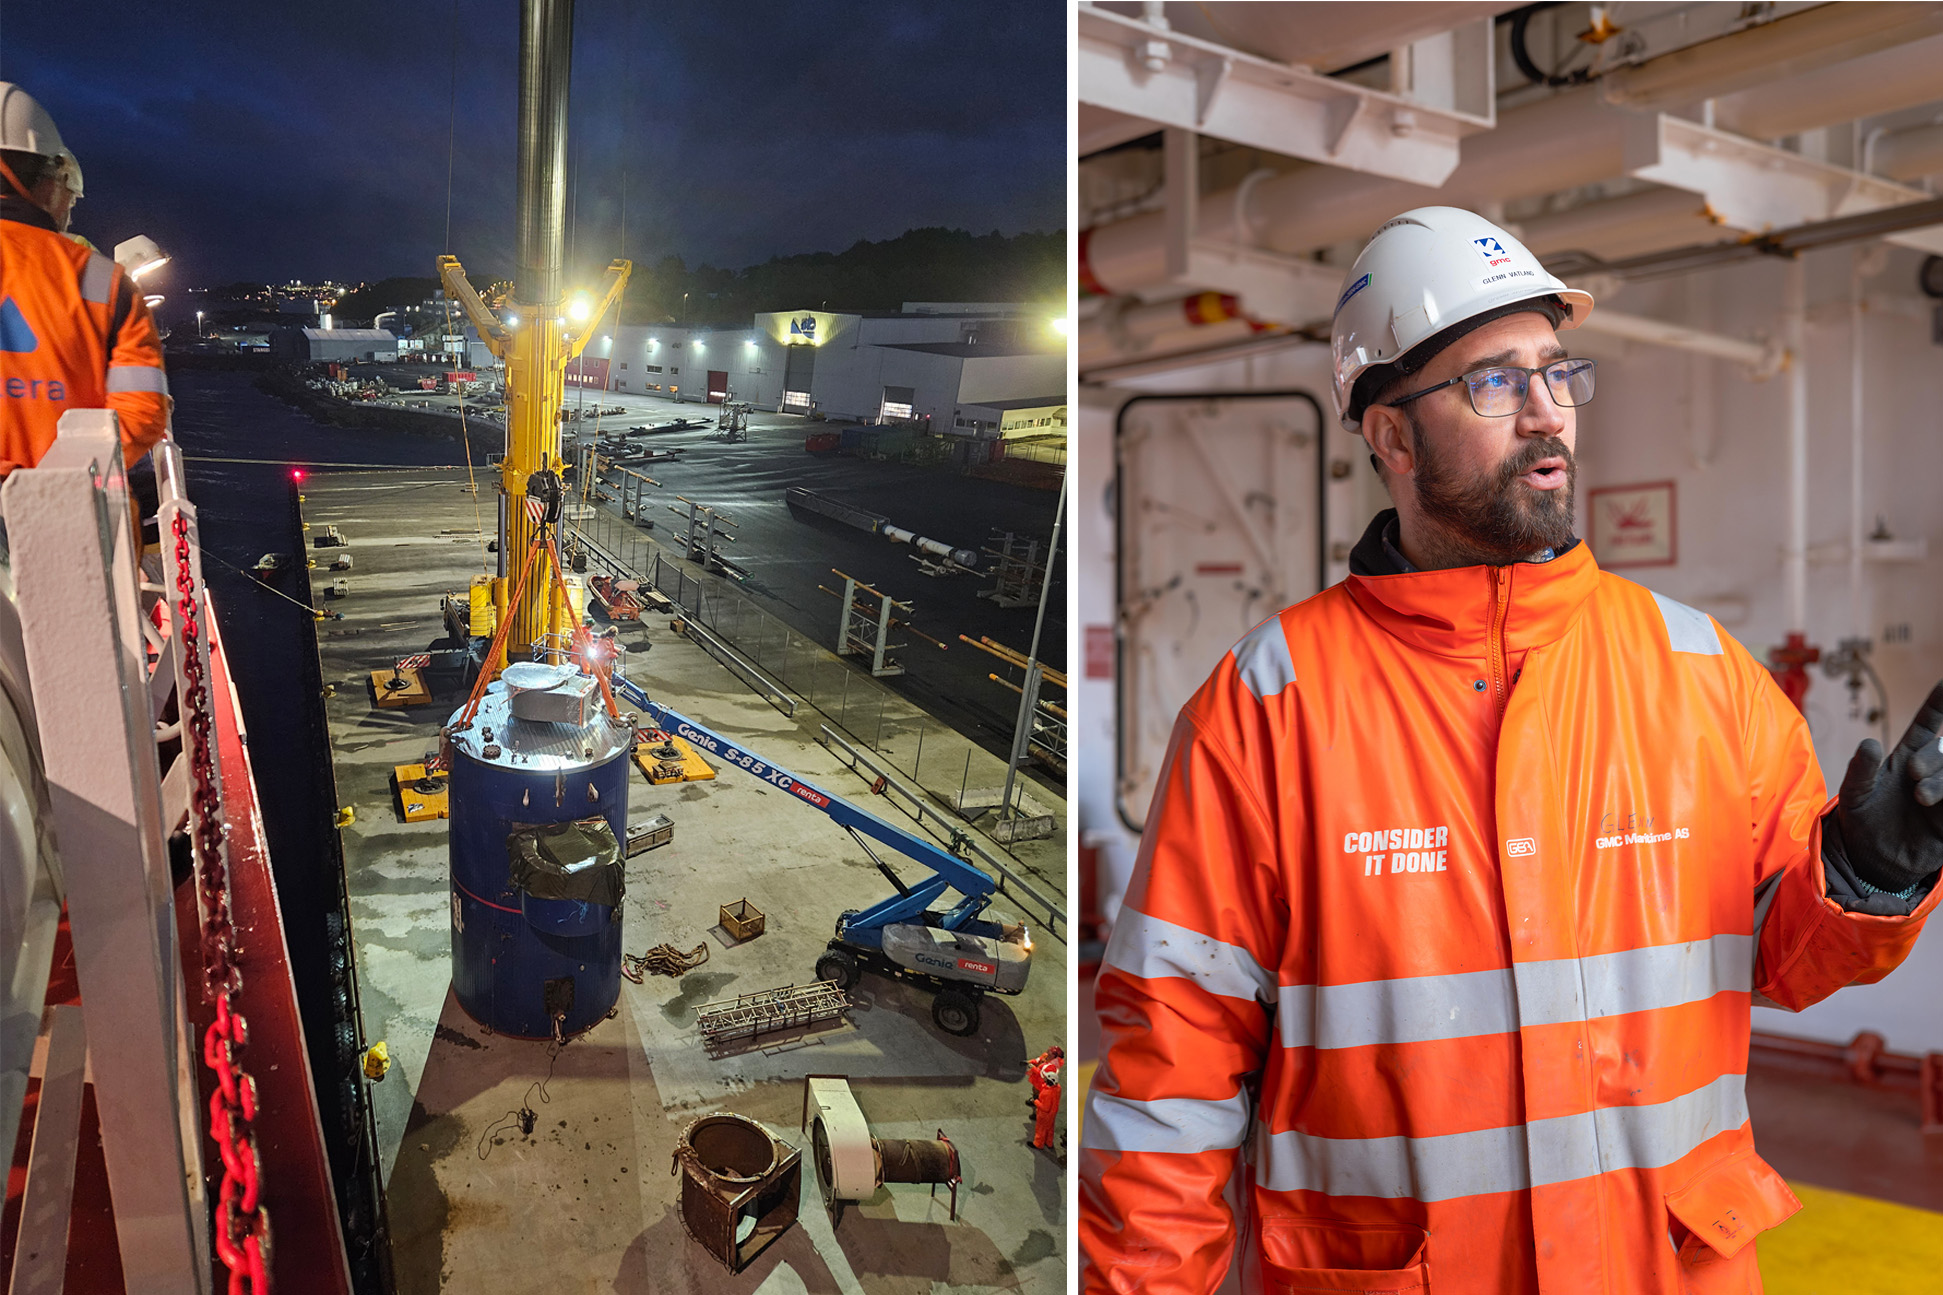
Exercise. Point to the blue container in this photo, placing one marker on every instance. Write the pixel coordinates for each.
(514, 954)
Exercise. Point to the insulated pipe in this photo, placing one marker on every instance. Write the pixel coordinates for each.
(1316, 205)
(1650, 220)
(1802, 42)
(1885, 81)
(1907, 154)
(1795, 560)
(545, 62)
(1571, 139)
(1858, 625)
(1762, 360)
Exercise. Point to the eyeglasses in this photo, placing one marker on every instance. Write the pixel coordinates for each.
(1501, 392)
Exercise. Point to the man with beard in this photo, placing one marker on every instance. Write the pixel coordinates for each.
(1462, 875)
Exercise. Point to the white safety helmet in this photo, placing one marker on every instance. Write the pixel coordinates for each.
(1431, 275)
(25, 127)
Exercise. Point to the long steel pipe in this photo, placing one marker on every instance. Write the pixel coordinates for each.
(545, 67)
(1572, 139)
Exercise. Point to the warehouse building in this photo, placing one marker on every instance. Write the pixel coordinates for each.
(323, 345)
(929, 362)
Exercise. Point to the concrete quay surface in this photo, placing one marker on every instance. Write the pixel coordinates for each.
(586, 1201)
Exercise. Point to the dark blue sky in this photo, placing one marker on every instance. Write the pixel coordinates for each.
(277, 141)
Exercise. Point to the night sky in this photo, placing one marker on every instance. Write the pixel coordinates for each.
(274, 141)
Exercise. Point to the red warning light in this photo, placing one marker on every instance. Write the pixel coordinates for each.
(296, 474)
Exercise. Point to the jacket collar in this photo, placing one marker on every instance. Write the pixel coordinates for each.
(14, 207)
(1450, 612)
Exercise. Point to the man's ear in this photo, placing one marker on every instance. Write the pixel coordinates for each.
(1389, 440)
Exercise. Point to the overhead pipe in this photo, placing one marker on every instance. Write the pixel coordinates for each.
(1802, 42)
(1762, 361)
(1574, 138)
(1649, 220)
(1908, 154)
(1885, 81)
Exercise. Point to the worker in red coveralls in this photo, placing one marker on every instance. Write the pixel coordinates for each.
(1047, 1072)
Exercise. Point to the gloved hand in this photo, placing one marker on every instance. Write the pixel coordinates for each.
(1891, 811)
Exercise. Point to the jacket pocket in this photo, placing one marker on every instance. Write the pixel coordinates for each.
(1722, 1210)
(1371, 1258)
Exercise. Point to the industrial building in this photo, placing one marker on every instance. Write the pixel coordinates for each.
(948, 364)
(1747, 194)
(332, 345)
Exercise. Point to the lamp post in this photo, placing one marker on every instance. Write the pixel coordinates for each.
(684, 309)
(198, 323)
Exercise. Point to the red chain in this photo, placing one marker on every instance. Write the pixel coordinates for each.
(242, 1221)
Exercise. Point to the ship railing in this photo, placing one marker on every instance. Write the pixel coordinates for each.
(101, 674)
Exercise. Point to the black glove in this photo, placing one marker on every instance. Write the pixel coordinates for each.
(1891, 812)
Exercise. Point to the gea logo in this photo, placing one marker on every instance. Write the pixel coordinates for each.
(1521, 847)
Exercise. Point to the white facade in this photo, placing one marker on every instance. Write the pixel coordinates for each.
(847, 366)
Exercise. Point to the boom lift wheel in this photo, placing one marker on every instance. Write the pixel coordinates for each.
(839, 968)
(956, 1012)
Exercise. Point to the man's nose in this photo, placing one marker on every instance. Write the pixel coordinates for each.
(1541, 415)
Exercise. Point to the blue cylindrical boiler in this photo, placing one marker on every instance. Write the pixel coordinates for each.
(521, 958)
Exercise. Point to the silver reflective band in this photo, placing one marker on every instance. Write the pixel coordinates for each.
(1154, 949)
(1182, 1125)
(1416, 1009)
(98, 279)
(137, 377)
(1538, 1154)
(1262, 659)
(1688, 630)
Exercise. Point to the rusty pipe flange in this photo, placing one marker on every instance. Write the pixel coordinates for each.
(727, 1150)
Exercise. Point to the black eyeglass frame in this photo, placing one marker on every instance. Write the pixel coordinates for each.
(1505, 368)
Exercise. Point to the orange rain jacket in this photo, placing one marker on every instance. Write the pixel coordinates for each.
(74, 334)
(1454, 895)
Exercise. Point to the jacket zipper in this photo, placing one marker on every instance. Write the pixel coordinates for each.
(1500, 580)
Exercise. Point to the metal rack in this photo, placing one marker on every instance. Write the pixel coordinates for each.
(747, 1015)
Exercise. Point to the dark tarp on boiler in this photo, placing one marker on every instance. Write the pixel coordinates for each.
(578, 860)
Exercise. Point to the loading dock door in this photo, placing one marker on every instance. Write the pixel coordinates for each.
(799, 367)
(1220, 525)
(718, 386)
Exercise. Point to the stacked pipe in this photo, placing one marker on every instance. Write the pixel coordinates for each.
(877, 524)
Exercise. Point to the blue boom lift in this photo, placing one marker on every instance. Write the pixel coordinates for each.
(953, 952)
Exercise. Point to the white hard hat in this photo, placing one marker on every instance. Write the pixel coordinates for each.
(1423, 274)
(25, 127)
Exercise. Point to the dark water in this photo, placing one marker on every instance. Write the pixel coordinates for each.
(246, 510)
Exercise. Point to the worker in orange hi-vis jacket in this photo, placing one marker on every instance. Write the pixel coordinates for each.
(1462, 875)
(1048, 1081)
(74, 330)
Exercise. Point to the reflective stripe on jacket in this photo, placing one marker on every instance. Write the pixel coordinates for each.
(74, 334)
(1450, 908)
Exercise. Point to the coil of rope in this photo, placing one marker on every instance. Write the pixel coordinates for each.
(663, 960)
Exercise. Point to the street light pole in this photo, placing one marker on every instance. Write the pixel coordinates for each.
(199, 324)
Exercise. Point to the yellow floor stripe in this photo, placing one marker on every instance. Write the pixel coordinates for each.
(1839, 1244)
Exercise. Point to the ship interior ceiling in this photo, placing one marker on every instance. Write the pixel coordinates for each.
(1749, 192)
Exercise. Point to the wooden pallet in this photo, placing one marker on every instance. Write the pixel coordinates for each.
(747, 1015)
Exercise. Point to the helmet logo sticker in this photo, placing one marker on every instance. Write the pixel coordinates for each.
(1492, 251)
(1351, 291)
